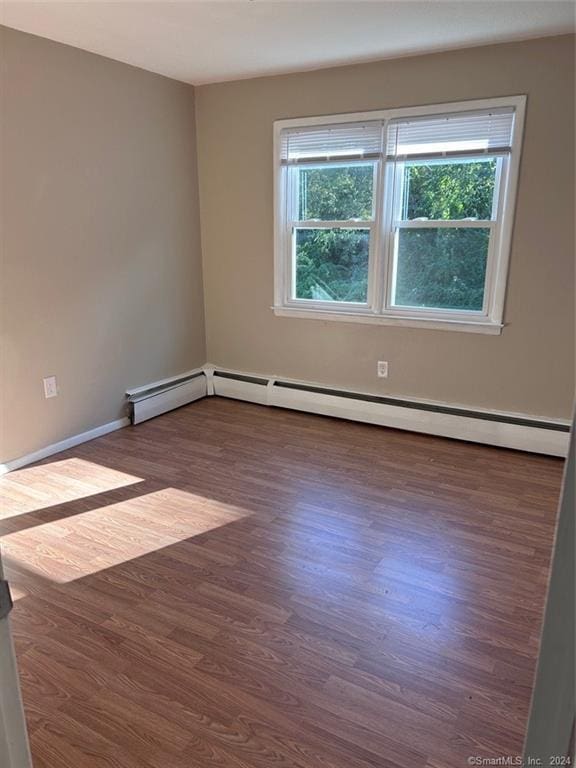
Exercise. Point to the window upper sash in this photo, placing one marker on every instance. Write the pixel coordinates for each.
(455, 134)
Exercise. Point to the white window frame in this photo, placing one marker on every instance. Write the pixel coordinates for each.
(379, 308)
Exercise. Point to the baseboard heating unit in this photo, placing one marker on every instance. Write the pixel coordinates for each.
(505, 430)
(145, 403)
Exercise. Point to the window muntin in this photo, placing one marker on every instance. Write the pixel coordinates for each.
(410, 216)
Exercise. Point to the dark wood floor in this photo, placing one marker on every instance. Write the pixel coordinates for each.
(231, 585)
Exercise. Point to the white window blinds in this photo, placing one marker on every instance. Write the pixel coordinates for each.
(327, 143)
(456, 133)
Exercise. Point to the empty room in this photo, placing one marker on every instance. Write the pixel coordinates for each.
(287, 315)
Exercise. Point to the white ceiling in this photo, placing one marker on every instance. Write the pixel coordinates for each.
(215, 40)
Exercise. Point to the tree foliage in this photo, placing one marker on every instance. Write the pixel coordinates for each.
(442, 268)
(332, 264)
(337, 193)
(449, 190)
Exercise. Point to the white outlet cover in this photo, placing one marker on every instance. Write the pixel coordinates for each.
(50, 387)
(382, 369)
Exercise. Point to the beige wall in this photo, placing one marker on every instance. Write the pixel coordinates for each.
(529, 368)
(101, 268)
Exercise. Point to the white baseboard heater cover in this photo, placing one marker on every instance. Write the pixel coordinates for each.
(161, 398)
(504, 430)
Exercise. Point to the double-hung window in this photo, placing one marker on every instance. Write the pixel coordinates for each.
(400, 216)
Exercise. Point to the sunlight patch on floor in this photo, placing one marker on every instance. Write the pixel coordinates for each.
(35, 488)
(85, 543)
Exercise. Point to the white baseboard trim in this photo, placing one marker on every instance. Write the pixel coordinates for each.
(63, 445)
(479, 426)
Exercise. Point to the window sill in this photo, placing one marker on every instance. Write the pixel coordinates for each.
(405, 321)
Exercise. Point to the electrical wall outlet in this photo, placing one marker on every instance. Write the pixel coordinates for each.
(50, 387)
(382, 369)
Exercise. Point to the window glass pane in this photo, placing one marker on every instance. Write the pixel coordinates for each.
(441, 268)
(336, 193)
(449, 190)
(332, 264)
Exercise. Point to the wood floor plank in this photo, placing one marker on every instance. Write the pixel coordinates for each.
(240, 587)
